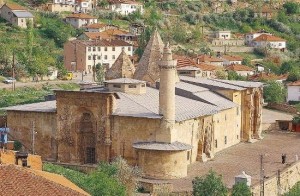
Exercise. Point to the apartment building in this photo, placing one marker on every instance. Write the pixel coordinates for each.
(82, 55)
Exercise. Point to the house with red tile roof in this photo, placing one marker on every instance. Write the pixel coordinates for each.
(79, 20)
(241, 70)
(264, 11)
(100, 27)
(269, 41)
(250, 36)
(230, 59)
(263, 76)
(16, 14)
(208, 59)
(293, 91)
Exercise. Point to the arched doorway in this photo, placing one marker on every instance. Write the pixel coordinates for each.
(87, 139)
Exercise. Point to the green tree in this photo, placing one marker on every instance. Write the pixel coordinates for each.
(246, 61)
(232, 75)
(294, 75)
(295, 191)
(274, 92)
(100, 73)
(241, 189)
(291, 7)
(220, 74)
(209, 185)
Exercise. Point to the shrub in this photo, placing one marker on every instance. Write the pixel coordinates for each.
(211, 185)
(241, 189)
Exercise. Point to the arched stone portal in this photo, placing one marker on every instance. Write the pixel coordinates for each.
(87, 139)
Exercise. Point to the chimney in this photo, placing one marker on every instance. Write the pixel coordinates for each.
(167, 96)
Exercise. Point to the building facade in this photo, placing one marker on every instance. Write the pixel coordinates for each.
(16, 15)
(80, 20)
(293, 91)
(82, 55)
(125, 7)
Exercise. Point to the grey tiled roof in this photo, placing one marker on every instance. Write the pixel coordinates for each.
(241, 83)
(175, 146)
(147, 105)
(22, 14)
(124, 81)
(221, 102)
(46, 106)
(209, 83)
(190, 87)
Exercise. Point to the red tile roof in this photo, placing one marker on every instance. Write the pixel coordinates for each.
(207, 58)
(81, 16)
(205, 67)
(102, 42)
(124, 2)
(16, 180)
(267, 76)
(183, 61)
(296, 83)
(270, 38)
(96, 25)
(232, 58)
(107, 34)
(238, 67)
(14, 6)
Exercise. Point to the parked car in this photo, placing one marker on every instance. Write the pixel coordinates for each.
(9, 80)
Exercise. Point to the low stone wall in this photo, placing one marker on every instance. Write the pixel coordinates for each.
(81, 168)
(283, 107)
(282, 183)
(231, 49)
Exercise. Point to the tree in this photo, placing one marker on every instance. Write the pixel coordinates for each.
(241, 189)
(100, 73)
(295, 191)
(247, 61)
(294, 75)
(209, 185)
(274, 92)
(232, 75)
(220, 74)
(292, 7)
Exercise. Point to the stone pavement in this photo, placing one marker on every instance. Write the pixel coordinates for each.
(246, 157)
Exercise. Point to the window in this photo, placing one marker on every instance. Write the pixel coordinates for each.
(105, 49)
(216, 143)
(225, 117)
(237, 136)
(113, 49)
(117, 86)
(89, 49)
(99, 48)
(113, 57)
(89, 58)
(188, 155)
(280, 44)
(143, 85)
(22, 20)
(131, 86)
(225, 140)
(105, 57)
(99, 57)
(94, 49)
(129, 48)
(237, 111)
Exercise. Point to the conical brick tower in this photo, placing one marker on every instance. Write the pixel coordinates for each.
(148, 68)
(122, 68)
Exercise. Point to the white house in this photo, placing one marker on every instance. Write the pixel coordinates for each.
(230, 59)
(84, 54)
(125, 7)
(241, 70)
(80, 20)
(16, 14)
(269, 41)
(250, 36)
(223, 34)
(293, 91)
(207, 59)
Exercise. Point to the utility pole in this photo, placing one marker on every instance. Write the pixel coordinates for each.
(262, 176)
(13, 71)
(33, 136)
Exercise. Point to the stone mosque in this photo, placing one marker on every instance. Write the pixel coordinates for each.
(149, 116)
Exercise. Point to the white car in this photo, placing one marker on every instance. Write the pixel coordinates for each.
(9, 80)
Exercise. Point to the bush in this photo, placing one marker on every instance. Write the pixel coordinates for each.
(211, 185)
(241, 189)
(17, 145)
(274, 92)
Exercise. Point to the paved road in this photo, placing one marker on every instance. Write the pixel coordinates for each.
(270, 116)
